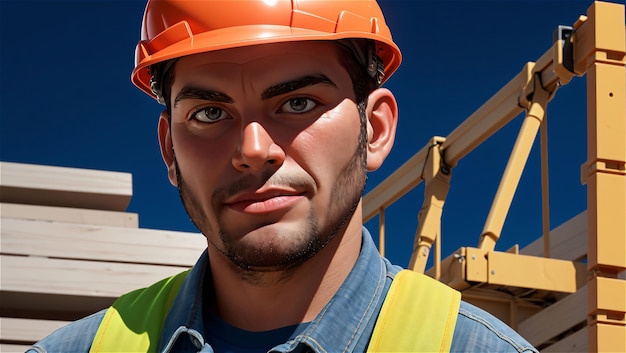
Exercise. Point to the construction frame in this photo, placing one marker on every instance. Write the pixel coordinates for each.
(539, 290)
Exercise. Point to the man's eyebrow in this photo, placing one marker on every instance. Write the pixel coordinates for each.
(204, 94)
(296, 84)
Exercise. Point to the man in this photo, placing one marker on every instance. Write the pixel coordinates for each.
(274, 114)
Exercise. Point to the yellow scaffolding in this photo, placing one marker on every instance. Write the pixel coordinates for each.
(527, 290)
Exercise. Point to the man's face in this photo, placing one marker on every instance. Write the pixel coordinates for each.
(265, 150)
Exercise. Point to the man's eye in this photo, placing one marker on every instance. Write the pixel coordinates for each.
(298, 105)
(210, 114)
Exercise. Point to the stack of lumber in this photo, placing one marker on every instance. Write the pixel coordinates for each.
(68, 248)
(561, 326)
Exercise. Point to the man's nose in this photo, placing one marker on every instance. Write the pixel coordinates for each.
(257, 150)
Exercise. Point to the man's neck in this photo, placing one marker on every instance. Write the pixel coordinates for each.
(280, 299)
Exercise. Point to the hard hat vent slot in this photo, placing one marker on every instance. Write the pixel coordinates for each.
(174, 34)
(374, 25)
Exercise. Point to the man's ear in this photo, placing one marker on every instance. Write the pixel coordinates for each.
(167, 148)
(382, 113)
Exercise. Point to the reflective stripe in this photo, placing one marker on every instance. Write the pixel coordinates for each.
(418, 315)
(133, 323)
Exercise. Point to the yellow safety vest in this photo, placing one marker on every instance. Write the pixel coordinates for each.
(418, 315)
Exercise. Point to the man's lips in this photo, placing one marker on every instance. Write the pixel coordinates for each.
(264, 202)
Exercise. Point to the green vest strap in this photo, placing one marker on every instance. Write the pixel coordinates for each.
(133, 323)
(418, 315)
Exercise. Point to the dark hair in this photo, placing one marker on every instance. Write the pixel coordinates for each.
(362, 84)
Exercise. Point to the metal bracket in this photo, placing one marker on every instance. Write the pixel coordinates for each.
(563, 35)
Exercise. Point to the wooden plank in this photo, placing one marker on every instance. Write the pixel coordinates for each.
(13, 348)
(567, 241)
(76, 241)
(555, 319)
(76, 277)
(51, 306)
(65, 187)
(69, 215)
(27, 330)
(576, 342)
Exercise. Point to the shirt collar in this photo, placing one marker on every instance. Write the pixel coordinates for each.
(344, 324)
(186, 310)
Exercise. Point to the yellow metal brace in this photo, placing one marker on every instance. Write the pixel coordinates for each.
(595, 46)
(436, 175)
(521, 150)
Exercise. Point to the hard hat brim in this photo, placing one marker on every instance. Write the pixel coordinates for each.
(149, 52)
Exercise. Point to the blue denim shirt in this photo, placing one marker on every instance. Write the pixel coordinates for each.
(345, 324)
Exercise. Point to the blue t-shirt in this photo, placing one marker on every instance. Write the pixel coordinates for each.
(225, 338)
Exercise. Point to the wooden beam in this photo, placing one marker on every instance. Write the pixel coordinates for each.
(65, 187)
(574, 343)
(568, 241)
(77, 277)
(13, 348)
(86, 242)
(27, 330)
(534, 272)
(51, 306)
(555, 319)
(69, 215)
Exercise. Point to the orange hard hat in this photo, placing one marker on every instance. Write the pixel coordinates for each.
(175, 28)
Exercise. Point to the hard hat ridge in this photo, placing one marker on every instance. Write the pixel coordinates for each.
(175, 28)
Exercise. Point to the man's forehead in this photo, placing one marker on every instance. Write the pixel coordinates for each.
(271, 63)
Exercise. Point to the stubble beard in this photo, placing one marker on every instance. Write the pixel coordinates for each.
(253, 260)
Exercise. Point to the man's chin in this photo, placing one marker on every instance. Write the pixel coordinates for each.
(267, 270)
(266, 250)
(264, 259)
(270, 268)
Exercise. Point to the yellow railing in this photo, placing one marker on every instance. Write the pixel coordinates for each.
(596, 46)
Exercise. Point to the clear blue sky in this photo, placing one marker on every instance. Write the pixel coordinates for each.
(67, 100)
